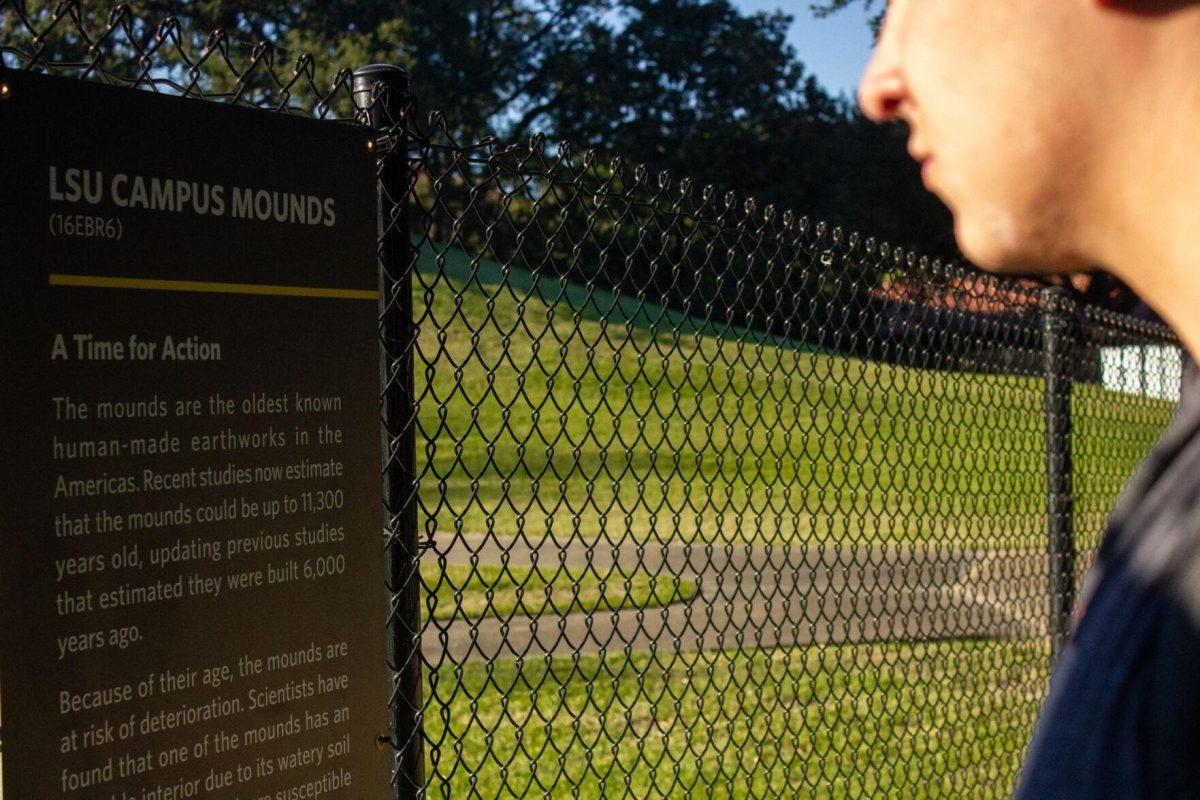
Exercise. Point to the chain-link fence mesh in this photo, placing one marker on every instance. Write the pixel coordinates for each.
(719, 502)
(689, 497)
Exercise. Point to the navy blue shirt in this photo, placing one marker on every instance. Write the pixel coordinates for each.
(1122, 717)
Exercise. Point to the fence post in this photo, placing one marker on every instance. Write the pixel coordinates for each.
(381, 91)
(1057, 345)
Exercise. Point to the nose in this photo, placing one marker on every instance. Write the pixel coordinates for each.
(883, 90)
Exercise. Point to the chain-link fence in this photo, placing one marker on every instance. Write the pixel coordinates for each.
(688, 497)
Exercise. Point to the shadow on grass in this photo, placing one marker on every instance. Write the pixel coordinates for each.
(464, 592)
(593, 304)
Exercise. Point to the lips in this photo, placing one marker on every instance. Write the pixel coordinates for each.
(924, 159)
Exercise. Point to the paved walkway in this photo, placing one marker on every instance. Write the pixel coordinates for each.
(763, 596)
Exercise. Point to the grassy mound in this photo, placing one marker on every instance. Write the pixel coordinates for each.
(553, 409)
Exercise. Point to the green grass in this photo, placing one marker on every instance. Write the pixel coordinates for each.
(552, 411)
(466, 592)
(937, 720)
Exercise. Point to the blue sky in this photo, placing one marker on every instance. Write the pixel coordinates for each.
(834, 49)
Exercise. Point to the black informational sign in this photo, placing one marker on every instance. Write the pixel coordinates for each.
(191, 574)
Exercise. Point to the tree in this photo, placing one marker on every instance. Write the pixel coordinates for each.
(700, 89)
(676, 73)
(827, 7)
(481, 62)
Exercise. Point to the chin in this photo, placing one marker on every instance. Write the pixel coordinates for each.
(986, 250)
(998, 243)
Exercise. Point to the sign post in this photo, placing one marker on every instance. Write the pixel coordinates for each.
(190, 583)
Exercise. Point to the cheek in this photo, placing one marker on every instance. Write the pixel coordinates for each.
(1011, 188)
(994, 170)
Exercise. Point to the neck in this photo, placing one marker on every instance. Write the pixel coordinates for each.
(1160, 261)
(1148, 230)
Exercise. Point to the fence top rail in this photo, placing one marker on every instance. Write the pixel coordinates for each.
(1098, 320)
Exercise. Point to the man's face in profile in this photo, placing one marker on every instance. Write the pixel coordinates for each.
(1005, 116)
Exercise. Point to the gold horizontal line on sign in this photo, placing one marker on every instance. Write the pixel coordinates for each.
(154, 284)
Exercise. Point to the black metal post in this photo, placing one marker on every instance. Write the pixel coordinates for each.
(1057, 345)
(381, 93)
